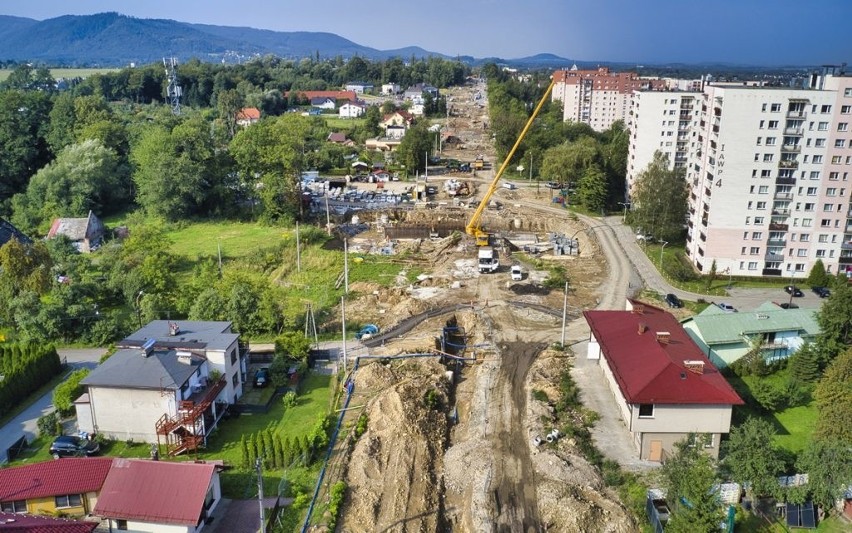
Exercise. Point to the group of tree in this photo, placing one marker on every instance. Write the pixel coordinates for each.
(277, 452)
(659, 200)
(25, 368)
(593, 164)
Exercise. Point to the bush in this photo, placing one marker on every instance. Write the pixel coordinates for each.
(69, 390)
(335, 501)
(611, 473)
(680, 269)
(289, 400)
(361, 425)
(770, 398)
(49, 425)
(432, 399)
(540, 395)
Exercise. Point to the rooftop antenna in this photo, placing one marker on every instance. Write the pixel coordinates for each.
(173, 91)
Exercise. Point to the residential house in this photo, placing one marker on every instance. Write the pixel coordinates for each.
(17, 523)
(9, 232)
(665, 387)
(168, 384)
(158, 496)
(727, 337)
(323, 102)
(396, 124)
(340, 138)
(352, 110)
(248, 116)
(386, 144)
(69, 486)
(416, 93)
(86, 234)
(390, 89)
(359, 87)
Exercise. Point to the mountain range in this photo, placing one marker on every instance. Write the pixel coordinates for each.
(115, 40)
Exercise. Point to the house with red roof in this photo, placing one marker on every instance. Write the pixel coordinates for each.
(248, 116)
(666, 388)
(67, 486)
(18, 523)
(155, 496)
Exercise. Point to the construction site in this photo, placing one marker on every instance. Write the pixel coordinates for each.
(458, 389)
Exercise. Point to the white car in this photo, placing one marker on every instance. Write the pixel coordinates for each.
(516, 273)
(728, 308)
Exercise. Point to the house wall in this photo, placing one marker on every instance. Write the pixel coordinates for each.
(350, 111)
(623, 408)
(221, 360)
(683, 419)
(145, 527)
(47, 505)
(84, 417)
(594, 349)
(668, 441)
(111, 410)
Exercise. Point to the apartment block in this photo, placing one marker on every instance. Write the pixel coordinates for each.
(598, 97)
(662, 121)
(769, 178)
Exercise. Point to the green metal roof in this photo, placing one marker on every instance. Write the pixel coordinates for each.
(721, 328)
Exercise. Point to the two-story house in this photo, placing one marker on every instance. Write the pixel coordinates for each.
(352, 110)
(168, 383)
(665, 387)
(158, 496)
(396, 124)
(776, 332)
(68, 486)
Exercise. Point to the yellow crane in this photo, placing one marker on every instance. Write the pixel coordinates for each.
(474, 226)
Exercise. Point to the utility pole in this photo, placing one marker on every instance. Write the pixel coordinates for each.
(298, 251)
(427, 166)
(343, 322)
(327, 214)
(259, 468)
(219, 247)
(564, 313)
(173, 91)
(345, 266)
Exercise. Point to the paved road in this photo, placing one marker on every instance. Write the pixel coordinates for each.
(25, 422)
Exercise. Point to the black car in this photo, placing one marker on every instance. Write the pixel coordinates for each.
(70, 446)
(261, 377)
(673, 301)
(822, 292)
(795, 291)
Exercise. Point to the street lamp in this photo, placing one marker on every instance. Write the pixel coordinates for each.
(661, 254)
(138, 310)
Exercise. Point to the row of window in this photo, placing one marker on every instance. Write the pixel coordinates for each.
(799, 267)
(776, 108)
(820, 126)
(65, 500)
(817, 143)
(799, 252)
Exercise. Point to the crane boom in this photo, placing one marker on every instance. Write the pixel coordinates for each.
(474, 228)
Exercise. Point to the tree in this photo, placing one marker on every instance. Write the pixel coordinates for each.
(711, 276)
(229, 103)
(23, 125)
(569, 161)
(593, 188)
(689, 476)
(804, 364)
(828, 463)
(818, 276)
(68, 391)
(751, 457)
(293, 344)
(659, 199)
(414, 147)
(835, 322)
(833, 396)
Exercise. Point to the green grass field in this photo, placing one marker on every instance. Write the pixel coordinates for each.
(237, 239)
(66, 72)
(336, 123)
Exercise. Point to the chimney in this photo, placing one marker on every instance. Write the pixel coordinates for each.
(694, 366)
(148, 347)
(638, 309)
(663, 337)
(174, 329)
(643, 327)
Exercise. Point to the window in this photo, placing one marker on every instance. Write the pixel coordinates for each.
(807, 222)
(770, 141)
(235, 381)
(646, 410)
(812, 191)
(121, 525)
(828, 208)
(825, 223)
(752, 265)
(802, 252)
(756, 236)
(847, 91)
(749, 205)
(17, 506)
(762, 122)
(816, 160)
(748, 221)
(764, 189)
(758, 220)
(836, 160)
(822, 237)
(68, 500)
(840, 143)
(833, 176)
(757, 157)
(759, 139)
(234, 356)
(814, 174)
(805, 237)
(775, 108)
(754, 250)
(765, 173)
(800, 267)
(763, 108)
(823, 126)
(773, 124)
(825, 109)
(843, 126)
(819, 143)
(767, 158)
(704, 440)
(745, 235)
(845, 109)
(761, 205)
(743, 251)
(820, 253)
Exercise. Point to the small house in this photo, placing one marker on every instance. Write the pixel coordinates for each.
(323, 102)
(359, 87)
(248, 116)
(352, 110)
(86, 234)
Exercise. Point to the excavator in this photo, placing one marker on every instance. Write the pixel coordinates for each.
(474, 226)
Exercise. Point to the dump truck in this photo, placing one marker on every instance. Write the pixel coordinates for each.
(488, 261)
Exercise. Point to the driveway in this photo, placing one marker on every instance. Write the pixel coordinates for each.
(26, 422)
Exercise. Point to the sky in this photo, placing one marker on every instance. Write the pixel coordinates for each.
(748, 32)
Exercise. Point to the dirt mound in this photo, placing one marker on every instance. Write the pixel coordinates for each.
(528, 288)
(394, 472)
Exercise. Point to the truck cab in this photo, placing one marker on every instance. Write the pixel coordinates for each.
(488, 261)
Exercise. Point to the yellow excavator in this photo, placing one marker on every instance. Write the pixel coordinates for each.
(474, 226)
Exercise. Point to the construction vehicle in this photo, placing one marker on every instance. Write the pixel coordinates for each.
(488, 260)
(474, 226)
(479, 163)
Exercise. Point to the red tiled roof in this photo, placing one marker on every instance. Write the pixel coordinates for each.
(649, 371)
(248, 113)
(21, 523)
(72, 475)
(157, 492)
(334, 95)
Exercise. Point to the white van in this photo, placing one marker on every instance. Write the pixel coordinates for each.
(509, 185)
(516, 273)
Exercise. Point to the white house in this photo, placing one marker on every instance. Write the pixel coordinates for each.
(323, 102)
(390, 89)
(727, 337)
(168, 384)
(158, 496)
(352, 110)
(360, 87)
(665, 387)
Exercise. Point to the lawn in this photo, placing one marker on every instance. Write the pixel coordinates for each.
(237, 239)
(336, 123)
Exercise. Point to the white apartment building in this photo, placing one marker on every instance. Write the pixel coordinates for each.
(769, 178)
(668, 120)
(598, 97)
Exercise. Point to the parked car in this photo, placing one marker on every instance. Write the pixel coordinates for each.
(71, 446)
(553, 185)
(261, 377)
(673, 301)
(822, 292)
(516, 273)
(728, 308)
(795, 291)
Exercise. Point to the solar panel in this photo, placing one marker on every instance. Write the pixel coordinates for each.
(792, 515)
(807, 515)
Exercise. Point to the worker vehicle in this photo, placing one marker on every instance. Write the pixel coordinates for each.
(474, 226)
(516, 273)
(488, 260)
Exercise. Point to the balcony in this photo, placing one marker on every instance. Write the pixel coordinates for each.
(785, 181)
(781, 211)
(708, 193)
(845, 260)
(800, 114)
(783, 196)
(770, 257)
(778, 226)
(794, 131)
(702, 237)
(793, 148)
(846, 246)
(771, 271)
(777, 242)
(788, 163)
